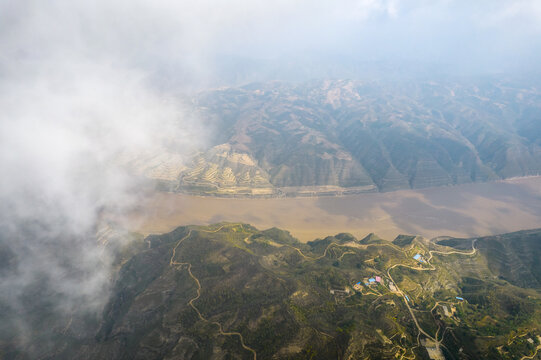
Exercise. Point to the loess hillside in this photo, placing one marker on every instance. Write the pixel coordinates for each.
(341, 136)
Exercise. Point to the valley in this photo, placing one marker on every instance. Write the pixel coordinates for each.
(253, 180)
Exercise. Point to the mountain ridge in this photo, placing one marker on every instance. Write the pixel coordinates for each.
(342, 136)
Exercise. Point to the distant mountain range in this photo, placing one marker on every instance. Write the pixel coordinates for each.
(341, 136)
(231, 291)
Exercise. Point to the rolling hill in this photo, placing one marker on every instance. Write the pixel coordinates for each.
(342, 136)
(231, 291)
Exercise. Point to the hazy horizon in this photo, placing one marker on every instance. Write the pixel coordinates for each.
(206, 43)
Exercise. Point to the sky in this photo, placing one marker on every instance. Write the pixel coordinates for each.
(88, 86)
(187, 43)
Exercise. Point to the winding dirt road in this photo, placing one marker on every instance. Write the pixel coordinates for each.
(432, 268)
(399, 291)
(194, 299)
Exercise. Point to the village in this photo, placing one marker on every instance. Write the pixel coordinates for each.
(377, 285)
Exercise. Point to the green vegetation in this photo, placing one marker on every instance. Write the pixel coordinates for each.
(232, 291)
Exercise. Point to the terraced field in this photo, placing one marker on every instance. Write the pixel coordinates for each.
(222, 172)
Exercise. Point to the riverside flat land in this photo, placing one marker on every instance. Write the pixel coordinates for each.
(460, 211)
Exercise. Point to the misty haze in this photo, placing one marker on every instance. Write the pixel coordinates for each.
(357, 179)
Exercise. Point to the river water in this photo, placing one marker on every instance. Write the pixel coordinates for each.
(462, 211)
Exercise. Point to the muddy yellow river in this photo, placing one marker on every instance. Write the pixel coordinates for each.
(465, 210)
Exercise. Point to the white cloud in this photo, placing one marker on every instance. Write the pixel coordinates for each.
(78, 103)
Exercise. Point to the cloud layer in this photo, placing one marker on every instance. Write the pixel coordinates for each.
(182, 44)
(77, 115)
